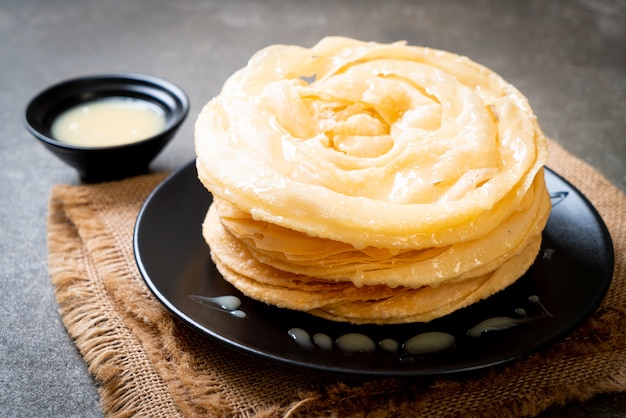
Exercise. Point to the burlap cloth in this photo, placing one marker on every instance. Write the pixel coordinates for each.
(146, 363)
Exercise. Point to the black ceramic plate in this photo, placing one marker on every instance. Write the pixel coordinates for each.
(563, 288)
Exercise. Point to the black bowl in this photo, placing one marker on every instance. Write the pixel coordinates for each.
(96, 164)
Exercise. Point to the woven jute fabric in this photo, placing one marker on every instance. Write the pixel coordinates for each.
(146, 363)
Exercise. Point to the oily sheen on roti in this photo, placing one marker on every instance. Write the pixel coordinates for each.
(371, 183)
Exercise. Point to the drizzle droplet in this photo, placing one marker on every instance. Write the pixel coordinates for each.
(356, 343)
(535, 299)
(227, 303)
(301, 337)
(239, 314)
(497, 323)
(558, 197)
(389, 345)
(323, 341)
(429, 342)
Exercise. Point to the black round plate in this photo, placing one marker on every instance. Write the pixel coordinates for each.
(563, 288)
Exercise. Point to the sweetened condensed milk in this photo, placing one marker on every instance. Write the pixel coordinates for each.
(109, 121)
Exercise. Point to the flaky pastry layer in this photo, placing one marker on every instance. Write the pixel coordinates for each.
(369, 182)
(382, 145)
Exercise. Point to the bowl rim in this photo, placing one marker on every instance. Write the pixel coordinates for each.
(137, 78)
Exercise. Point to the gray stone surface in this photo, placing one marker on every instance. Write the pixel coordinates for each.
(568, 57)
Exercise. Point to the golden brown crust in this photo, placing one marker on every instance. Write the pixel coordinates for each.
(368, 182)
(342, 301)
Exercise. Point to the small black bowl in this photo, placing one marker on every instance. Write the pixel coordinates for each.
(97, 164)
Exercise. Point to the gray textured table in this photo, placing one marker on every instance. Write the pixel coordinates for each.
(568, 57)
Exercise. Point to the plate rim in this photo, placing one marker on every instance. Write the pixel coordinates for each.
(338, 369)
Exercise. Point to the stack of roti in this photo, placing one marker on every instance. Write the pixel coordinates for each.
(371, 183)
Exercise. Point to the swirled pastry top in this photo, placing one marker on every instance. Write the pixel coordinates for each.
(382, 145)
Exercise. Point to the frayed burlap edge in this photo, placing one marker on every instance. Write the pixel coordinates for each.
(107, 344)
(147, 364)
(144, 362)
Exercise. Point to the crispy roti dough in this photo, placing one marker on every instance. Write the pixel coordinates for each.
(369, 182)
(342, 301)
